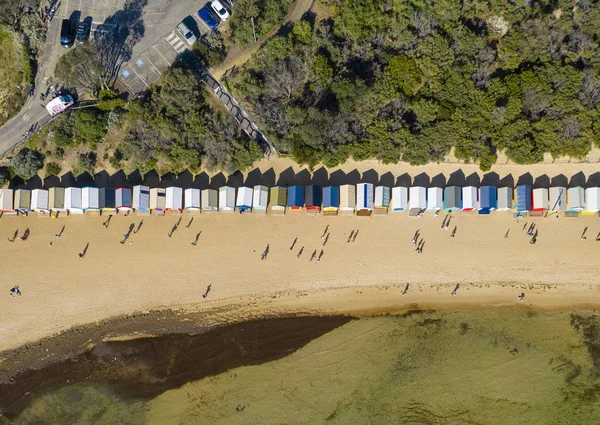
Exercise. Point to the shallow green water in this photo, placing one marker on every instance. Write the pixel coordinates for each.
(429, 368)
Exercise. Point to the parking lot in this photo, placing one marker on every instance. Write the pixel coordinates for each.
(161, 42)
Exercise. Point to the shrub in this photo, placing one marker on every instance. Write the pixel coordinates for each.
(26, 163)
(52, 169)
(4, 176)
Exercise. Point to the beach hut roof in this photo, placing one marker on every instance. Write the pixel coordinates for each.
(331, 197)
(435, 196)
(382, 197)
(312, 195)
(592, 199)
(39, 199)
(364, 196)
(347, 197)
(278, 196)
(6, 199)
(22, 199)
(107, 198)
(191, 199)
(488, 199)
(523, 197)
(73, 198)
(576, 198)
(505, 198)
(452, 198)
(540, 199)
(417, 197)
(469, 198)
(558, 199)
(260, 197)
(226, 198)
(123, 198)
(56, 198)
(295, 196)
(244, 198)
(399, 198)
(209, 199)
(174, 198)
(158, 198)
(141, 197)
(89, 198)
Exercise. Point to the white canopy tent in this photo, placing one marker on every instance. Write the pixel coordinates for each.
(174, 199)
(191, 199)
(39, 200)
(469, 198)
(226, 198)
(399, 198)
(73, 202)
(435, 198)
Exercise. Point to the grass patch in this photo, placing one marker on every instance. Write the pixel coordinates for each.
(15, 72)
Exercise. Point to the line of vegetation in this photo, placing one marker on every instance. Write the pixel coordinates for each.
(409, 81)
(266, 14)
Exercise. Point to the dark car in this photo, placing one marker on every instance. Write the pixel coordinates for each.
(83, 32)
(206, 15)
(67, 32)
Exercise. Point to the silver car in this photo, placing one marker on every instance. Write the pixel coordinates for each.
(186, 33)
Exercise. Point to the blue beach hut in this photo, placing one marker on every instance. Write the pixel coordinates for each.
(331, 200)
(452, 198)
(312, 198)
(523, 198)
(295, 197)
(488, 199)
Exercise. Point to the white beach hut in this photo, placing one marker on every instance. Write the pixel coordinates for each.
(592, 199)
(141, 199)
(399, 198)
(174, 199)
(505, 198)
(39, 200)
(191, 200)
(22, 200)
(260, 199)
(469, 198)
(347, 199)
(90, 199)
(417, 198)
(244, 199)
(381, 204)
(210, 200)
(435, 198)
(558, 199)
(226, 198)
(123, 200)
(364, 199)
(575, 199)
(6, 201)
(539, 200)
(73, 202)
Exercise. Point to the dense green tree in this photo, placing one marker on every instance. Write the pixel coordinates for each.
(26, 163)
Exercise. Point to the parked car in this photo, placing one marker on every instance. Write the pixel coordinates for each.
(207, 17)
(186, 33)
(220, 10)
(67, 32)
(83, 32)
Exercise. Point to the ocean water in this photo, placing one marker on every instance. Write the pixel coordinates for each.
(446, 368)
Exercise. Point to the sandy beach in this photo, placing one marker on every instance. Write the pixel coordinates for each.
(367, 276)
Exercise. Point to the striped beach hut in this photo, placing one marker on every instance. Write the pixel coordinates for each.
(399, 198)
(210, 200)
(141, 199)
(505, 198)
(106, 200)
(452, 198)
(260, 199)
(592, 200)
(488, 199)
(158, 200)
(174, 199)
(73, 201)
(278, 203)
(244, 199)
(227, 198)
(22, 200)
(90, 199)
(56, 199)
(381, 202)
(539, 202)
(576, 199)
(435, 196)
(469, 199)
(39, 200)
(295, 198)
(123, 199)
(558, 198)
(191, 200)
(347, 199)
(417, 200)
(331, 200)
(523, 193)
(6, 202)
(364, 199)
(312, 198)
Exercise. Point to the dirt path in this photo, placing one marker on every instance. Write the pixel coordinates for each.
(238, 58)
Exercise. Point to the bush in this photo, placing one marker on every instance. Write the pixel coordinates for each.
(52, 169)
(4, 176)
(26, 163)
(211, 49)
(90, 125)
(85, 163)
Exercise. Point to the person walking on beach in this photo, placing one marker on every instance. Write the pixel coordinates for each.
(522, 296)
(15, 290)
(444, 221)
(173, 230)
(293, 243)
(325, 232)
(82, 254)
(448, 223)
(355, 235)
(196, 240)
(312, 257)
(25, 235)
(420, 251)
(190, 223)
(326, 239)
(415, 237)
(59, 234)
(583, 237)
(506, 234)
(598, 237)
(300, 253)
(14, 236)
(320, 255)
(524, 227)
(455, 289)
(350, 237)
(139, 227)
(107, 222)
(405, 289)
(265, 253)
(207, 291)
(453, 232)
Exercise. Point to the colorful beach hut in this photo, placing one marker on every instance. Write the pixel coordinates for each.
(244, 199)
(295, 197)
(22, 200)
(575, 199)
(39, 200)
(56, 199)
(469, 199)
(364, 199)
(158, 200)
(347, 199)
(90, 199)
(73, 201)
(141, 199)
(278, 200)
(210, 200)
(6, 202)
(452, 198)
(417, 200)
(488, 199)
(399, 198)
(312, 198)
(381, 203)
(505, 198)
(331, 200)
(592, 200)
(106, 200)
(523, 193)
(123, 201)
(191, 200)
(558, 199)
(174, 199)
(260, 199)
(435, 196)
(539, 202)
(226, 198)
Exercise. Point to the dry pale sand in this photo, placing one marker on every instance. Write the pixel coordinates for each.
(367, 276)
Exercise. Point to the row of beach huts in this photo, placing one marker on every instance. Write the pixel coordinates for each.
(362, 199)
